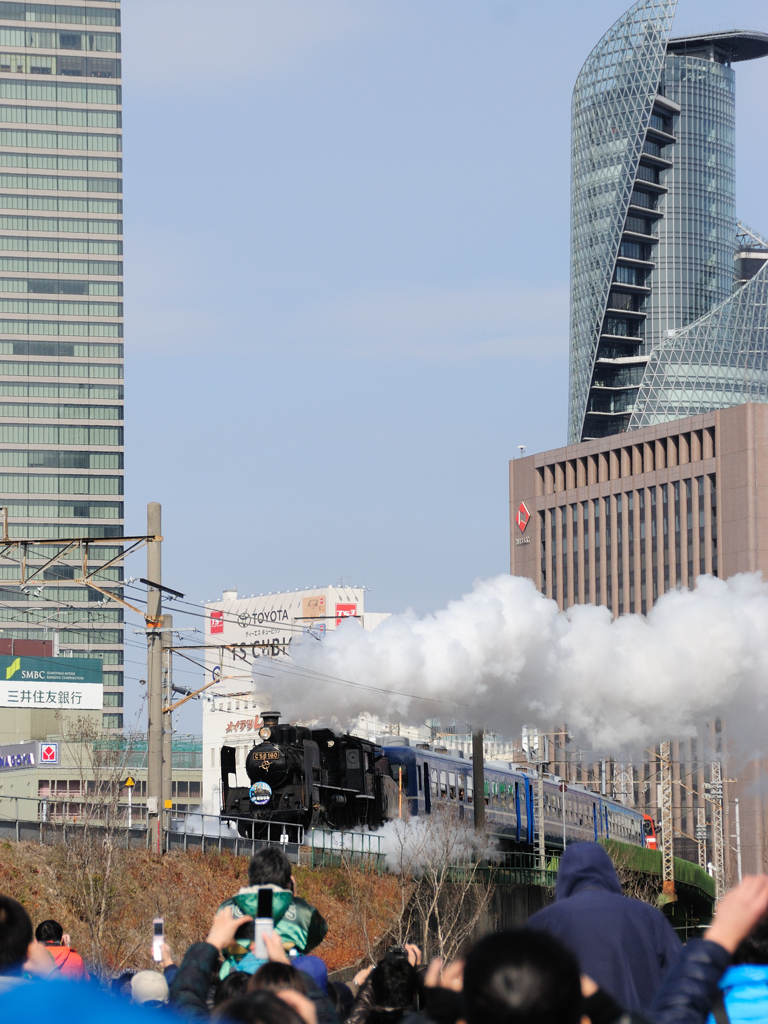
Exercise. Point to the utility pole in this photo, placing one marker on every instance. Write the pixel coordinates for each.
(667, 845)
(701, 836)
(478, 778)
(738, 839)
(714, 789)
(155, 795)
(167, 643)
(540, 816)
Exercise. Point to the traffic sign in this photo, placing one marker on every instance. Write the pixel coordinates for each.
(129, 782)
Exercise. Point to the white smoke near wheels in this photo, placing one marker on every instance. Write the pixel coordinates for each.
(503, 655)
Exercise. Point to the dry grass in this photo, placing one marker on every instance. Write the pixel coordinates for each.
(185, 889)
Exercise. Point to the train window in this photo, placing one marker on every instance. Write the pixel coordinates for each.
(395, 770)
(353, 758)
(418, 776)
(443, 784)
(433, 780)
(462, 785)
(231, 779)
(470, 789)
(452, 785)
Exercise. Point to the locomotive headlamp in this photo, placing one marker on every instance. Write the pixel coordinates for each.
(265, 732)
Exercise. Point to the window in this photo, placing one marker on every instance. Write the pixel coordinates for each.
(113, 700)
(112, 721)
(52, 183)
(23, 369)
(54, 266)
(58, 13)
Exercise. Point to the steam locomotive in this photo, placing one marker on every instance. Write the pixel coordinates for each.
(315, 778)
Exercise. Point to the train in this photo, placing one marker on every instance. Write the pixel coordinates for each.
(316, 778)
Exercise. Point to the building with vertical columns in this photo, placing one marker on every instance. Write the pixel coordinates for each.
(61, 317)
(621, 520)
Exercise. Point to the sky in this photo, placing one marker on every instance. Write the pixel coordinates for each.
(346, 282)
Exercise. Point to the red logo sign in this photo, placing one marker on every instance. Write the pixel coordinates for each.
(217, 622)
(345, 611)
(522, 517)
(50, 752)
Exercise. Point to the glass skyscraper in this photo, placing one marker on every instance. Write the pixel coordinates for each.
(61, 318)
(669, 293)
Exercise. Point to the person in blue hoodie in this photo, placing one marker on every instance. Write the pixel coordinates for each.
(744, 985)
(623, 944)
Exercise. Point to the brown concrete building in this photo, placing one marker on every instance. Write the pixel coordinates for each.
(621, 520)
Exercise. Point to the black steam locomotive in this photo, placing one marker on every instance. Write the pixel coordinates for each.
(317, 779)
(309, 777)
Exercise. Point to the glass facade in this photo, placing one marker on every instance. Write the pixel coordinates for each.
(613, 101)
(61, 329)
(668, 301)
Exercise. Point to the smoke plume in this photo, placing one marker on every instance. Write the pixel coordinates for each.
(503, 655)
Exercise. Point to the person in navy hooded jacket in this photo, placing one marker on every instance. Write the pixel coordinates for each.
(623, 944)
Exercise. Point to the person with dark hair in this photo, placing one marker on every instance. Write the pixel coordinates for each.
(270, 867)
(625, 945)
(522, 977)
(300, 925)
(19, 952)
(390, 991)
(273, 977)
(235, 984)
(59, 945)
(744, 986)
(261, 1008)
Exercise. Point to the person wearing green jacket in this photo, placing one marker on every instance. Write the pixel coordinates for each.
(300, 925)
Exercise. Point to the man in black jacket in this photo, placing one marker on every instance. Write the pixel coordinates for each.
(623, 944)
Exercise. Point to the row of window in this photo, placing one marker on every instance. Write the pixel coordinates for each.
(59, 14)
(32, 483)
(61, 349)
(46, 162)
(56, 205)
(97, 370)
(37, 459)
(64, 117)
(79, 67)
(19, 139)
(110, 392)
(62, 328)
(47, 183)
(58, 92)
(92, 268)
(654, 513)
(66, 509)
(54, 411)
(24, 433)
(78, 634)
(628, 460)
(52, 308)
(45, 39)
(9, 243)
(100, 553)
(48, 286)
(76, 224)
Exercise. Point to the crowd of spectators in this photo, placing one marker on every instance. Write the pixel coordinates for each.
(595, 956)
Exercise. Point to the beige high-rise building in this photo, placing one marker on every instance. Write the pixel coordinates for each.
(620, 521)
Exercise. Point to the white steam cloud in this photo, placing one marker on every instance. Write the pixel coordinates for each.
(503, 655)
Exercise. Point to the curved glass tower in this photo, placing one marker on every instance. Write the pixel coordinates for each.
(655, 249)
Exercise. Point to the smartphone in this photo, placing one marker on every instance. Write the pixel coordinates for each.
(158, 938)
(263, 922)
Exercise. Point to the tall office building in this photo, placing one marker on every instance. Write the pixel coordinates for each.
(669, 291)
(61, 309)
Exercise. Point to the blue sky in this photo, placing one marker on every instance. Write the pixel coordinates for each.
(346, 263)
